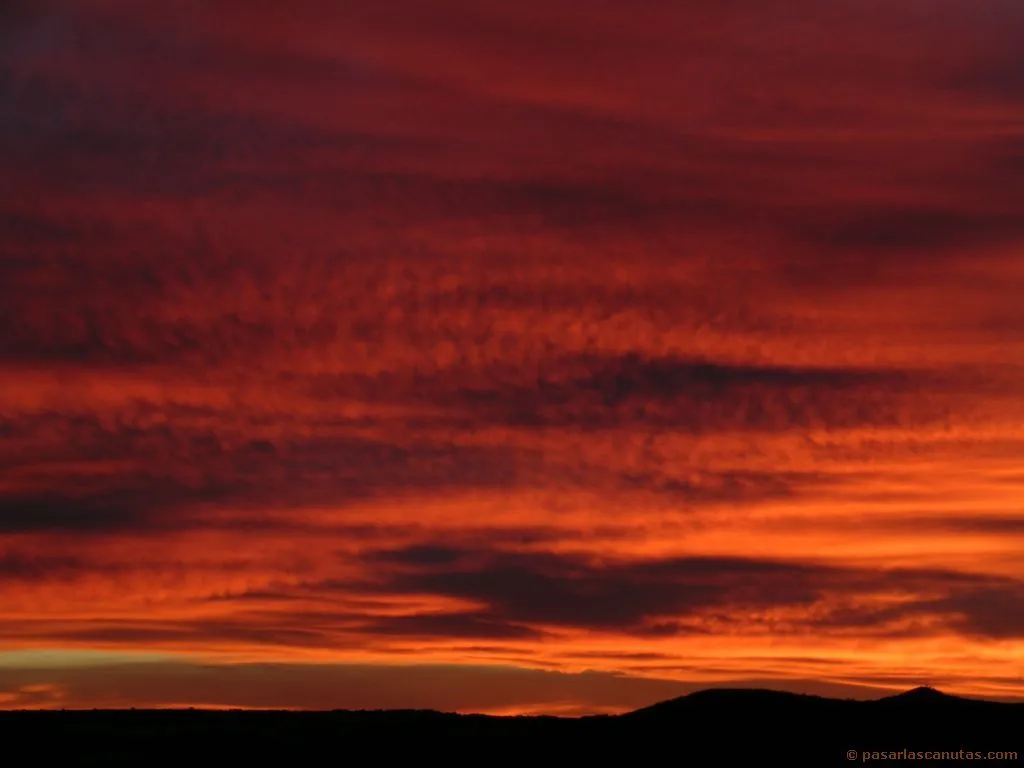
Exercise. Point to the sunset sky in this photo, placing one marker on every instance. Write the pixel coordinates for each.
(509, 356)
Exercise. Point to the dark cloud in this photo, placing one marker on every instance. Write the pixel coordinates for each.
(15, 566)
(994, 613)
(664, 597)
(52, 511)
(167, 470)
(906, 230)
(548, 589)
(634, 375)
(424, 556)
(164, 473)
(699, 395)
(982, 607)
(958, 522)
(23, 23)
(996, 74)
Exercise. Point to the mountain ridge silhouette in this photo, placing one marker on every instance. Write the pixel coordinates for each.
(921, 695)
(714, 726)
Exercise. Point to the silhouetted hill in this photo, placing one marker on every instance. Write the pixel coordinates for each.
(922, 693)
(714, 699)
(919, 720)
(926, 696)
(708, 728)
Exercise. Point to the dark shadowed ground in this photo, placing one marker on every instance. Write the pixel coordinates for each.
(708, 728)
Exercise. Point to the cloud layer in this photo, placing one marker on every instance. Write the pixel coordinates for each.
(683, 345)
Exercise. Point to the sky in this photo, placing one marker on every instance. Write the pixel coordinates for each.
(509, 357)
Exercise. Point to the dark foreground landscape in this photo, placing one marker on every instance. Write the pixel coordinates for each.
(709, 728)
